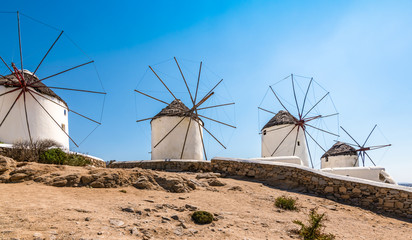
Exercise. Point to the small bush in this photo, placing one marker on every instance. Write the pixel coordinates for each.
(287, 203)
(123, 191)
(58, 156)
(314, 230)
(202, 217)
(26, 151)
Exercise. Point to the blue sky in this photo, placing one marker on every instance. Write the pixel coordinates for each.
(360, 51)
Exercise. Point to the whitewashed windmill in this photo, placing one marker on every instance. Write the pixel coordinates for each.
(30, 110)
(340, 155)
(177, 130)
(286, 134)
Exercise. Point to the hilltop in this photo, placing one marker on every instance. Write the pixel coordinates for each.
(41, 201)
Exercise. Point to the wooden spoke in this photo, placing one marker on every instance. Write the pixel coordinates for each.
(147, 95)
(213, 88)
(32, 84)
(283, 140)
(203, 100)
(307, 146)
(65, 107)
(203, 144)
(220, 105)
(184, 143)
(10, 91)
(27, 118)
(350, 136)
(330, 115)
(6, 64)
(70, 89)
(315, 105)
(370, 158)
(304, 100)
(21, 52)
(379, 146)
(169, 132)
(184, 79)
(369, 135)
(217, 121)
(321, 130)
(279, 99)
(144, 119)
(315, 141)
(266, 110)
(8, 112)
(294, 94)
(211, 134)
(162, 82)
(58, 125)
(47, 53)
(198, 79)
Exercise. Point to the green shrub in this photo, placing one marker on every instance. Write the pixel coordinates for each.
(313, 231)
(123, 191)
(287, 203)
(26, 151)
(58, 156)
(202, 217)
(53, 156)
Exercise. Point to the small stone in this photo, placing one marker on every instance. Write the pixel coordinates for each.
(100, 233)
(342, 190)
(216, 183)
(38, 236)
(328, 189)
(175, 217)
(190, 207)
(87, 219)
(134, 231)
(166, 219)
(235, 188)
(128, 209)
(356, 191)
(148, 200)
(116, 222)
(182, 198)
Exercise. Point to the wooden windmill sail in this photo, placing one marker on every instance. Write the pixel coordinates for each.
(362, 149)
(296, 119)
(177, 130)
(24, 93)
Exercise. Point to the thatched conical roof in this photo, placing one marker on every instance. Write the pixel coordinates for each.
(282, 117)
(175, 109)
(340, 149)
(10, 80)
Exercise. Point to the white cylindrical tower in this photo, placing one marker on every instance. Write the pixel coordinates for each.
(340, 155)
(172, 144)
(42, 126)
(278, 138)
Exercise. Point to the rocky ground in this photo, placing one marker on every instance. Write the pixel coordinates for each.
(40, 201)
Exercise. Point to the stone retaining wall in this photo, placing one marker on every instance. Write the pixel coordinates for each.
(167, 165)
(380, 197)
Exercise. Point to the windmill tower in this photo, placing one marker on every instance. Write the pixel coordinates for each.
(31, 110)
(340, 155)
(286, 134)
(177, 130)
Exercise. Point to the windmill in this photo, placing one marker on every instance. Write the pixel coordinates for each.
(29, 109)
(303, 110)
(177, 130)
(363, 149)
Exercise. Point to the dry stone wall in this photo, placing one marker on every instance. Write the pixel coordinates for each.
(380, 197)
(167, 165)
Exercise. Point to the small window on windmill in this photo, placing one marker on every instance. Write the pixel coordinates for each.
(264, 132)
(298, 143)
(63, 125)
(65, 112)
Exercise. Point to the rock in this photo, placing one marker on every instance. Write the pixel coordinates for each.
(175, 217)
(18, 177)
(166, 219)
(116, 222)
(6, 164)
(100, 233)
(60, 183)
(148, 200)
(331, 207)
(356, 191)
(216, 182)
(329, 189)
(342, 190)
(190, 207)
(173, 184)
(38, 236)
(87, 219)
(128, 209)
(134, 231)
(86, 179)
(207, 175)
(143, 183)
(235, 188)
(97, 184)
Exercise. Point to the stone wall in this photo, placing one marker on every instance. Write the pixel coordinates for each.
(376, 196)
(167, 165)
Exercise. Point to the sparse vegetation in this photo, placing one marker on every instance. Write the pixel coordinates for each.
(314, 230)
(57, 156)
(202, 217)
(286, 203)
(123, 191)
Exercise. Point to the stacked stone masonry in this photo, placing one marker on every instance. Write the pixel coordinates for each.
(167, 165)
(380, 197)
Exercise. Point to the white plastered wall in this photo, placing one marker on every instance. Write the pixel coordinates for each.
(171, 146)
(273, 136)
(41, 125)
(340, 161)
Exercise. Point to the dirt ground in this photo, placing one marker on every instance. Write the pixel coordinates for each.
(243, 210)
